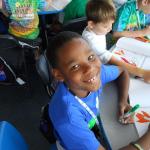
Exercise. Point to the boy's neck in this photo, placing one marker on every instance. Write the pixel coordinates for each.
(139, 4)
(0, 4)
(91, 30)
(79, 93)
(82, 95)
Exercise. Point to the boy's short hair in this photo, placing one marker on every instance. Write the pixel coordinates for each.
(57, 43)
(100, 11)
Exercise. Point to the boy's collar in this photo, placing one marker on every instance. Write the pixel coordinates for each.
(137, 8)
(72, 91)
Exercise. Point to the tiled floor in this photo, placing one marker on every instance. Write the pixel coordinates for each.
(24, 112)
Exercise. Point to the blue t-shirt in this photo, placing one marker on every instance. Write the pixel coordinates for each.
(70, 118)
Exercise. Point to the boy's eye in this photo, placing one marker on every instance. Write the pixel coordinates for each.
(91, 57)
(75, 67)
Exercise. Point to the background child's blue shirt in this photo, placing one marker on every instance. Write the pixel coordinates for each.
(70, 119)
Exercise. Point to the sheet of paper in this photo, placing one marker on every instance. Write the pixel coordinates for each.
(139, 93)
(146, 64)
(142, 127)
(131, 56)
(134, 45)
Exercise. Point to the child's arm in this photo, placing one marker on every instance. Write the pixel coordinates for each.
(123, 88)
(133, 70)
(132, 34)
(144, 142)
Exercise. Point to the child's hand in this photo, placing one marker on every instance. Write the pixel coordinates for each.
(146, 30)
(149, 128)
(123, 108)
(146, 76)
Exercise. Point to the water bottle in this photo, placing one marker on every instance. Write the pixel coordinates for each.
(2, 75)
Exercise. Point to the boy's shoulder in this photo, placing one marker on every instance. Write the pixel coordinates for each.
(109, 73)
(62, 99)
(64, 106)
(131, 5)
(90, 35)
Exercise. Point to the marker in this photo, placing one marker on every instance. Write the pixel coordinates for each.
(131, 111)
(127, 61)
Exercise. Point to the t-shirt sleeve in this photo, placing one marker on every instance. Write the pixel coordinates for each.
(103, 54)
(98, 47)
(109, 73)
(122, 18)
(76, 135)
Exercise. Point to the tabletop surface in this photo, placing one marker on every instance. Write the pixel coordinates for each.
(119, 135)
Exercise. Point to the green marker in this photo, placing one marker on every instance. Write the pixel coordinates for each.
(91, 123)
(131, 111)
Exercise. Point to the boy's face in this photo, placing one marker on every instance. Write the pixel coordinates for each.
(101, 28)
(144, 5)
(146, 9)
(78, 67)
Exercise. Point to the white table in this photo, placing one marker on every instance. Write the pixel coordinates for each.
(118, 135)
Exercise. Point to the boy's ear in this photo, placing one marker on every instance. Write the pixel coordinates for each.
(90, 24)
(58, 75)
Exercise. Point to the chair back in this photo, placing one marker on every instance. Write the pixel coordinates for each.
(10, 138)
(44, 70)
(75, 25)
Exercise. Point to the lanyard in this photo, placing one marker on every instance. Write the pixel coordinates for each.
(88, 109)
(102, 138)
(138, 19)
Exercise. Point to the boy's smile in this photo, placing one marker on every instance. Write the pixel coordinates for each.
(79, 67)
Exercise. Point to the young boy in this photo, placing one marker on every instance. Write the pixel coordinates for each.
(133, 19)
(81, 76)
(100, 17)
(23, 16)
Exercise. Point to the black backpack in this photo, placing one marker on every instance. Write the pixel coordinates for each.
(7, 74)
(46, 126)
(11, 60)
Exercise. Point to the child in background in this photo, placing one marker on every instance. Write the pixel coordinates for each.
(82, 76)
(100, 17)
(119, 3)
(23, 16)
(133, 19)
(75, 9)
